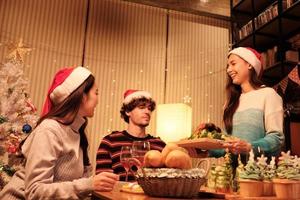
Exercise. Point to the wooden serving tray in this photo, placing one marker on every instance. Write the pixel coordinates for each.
(202, 143)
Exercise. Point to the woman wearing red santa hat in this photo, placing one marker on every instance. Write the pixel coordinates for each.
(253, 112)
(57, 164)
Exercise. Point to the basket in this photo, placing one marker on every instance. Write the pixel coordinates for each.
(171, 187)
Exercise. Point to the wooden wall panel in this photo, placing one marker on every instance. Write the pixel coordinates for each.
(125, 49)
(55, 31)
(196, 64)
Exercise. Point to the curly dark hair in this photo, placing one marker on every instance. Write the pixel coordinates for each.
(135, 103)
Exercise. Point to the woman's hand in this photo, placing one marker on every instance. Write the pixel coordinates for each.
(105, 181)
(238, 146)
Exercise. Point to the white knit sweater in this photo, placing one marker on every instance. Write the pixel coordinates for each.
(54, 165)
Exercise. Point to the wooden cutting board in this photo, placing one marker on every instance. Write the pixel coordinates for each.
(202, 143)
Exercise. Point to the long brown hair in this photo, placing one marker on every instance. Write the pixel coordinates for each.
(66, 111)
(233, 93)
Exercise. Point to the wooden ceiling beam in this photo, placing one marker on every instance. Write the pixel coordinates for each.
(219, 9)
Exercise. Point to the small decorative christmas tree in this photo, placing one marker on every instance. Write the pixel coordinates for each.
(268, 171)
(17, 113)
(288, 166)
(220, 177)
(251, 170)
(238, 171)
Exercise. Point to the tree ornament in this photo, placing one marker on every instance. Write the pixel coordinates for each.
(12, 148)
(7, 169)
(26, 128)
(17, 51)
(2, 119)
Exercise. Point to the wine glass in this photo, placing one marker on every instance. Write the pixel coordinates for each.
(125, 156)
(139, 149)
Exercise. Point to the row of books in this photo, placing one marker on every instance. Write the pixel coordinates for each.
(264, 17)
(295, 41)
(270, 57)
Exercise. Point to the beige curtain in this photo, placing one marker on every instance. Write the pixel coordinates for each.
(55, 31)
(196, 65)
(125, 49)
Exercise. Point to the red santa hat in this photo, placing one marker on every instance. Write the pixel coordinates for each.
(249, 55)
(65, 82)
(131, 94)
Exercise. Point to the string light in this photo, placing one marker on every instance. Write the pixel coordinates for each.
(187, 99)
(113, 90)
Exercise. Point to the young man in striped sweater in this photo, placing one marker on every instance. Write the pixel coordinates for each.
(136, 111)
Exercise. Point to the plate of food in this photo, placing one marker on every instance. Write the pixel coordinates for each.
(201, 143)
(206, 136)
(133, 187)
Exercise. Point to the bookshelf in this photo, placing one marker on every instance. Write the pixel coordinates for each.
(263, 24)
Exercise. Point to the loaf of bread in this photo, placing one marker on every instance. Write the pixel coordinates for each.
(172, 156)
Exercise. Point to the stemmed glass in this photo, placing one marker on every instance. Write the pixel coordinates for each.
(125, 156)
(139, 149)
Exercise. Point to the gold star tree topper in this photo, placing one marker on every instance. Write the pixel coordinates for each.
(17, 51)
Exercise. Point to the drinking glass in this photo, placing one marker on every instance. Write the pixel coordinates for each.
(125, 156)
(139, 149)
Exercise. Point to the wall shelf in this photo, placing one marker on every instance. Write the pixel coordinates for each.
(245, 6)
(267, 35)
(275, 32)
(272, 75)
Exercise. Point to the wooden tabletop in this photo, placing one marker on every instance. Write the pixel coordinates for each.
(237, 197)
(120, 195)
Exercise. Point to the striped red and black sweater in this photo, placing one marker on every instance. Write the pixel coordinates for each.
(108, 154)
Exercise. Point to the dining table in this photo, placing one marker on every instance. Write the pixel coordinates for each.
(118, 194)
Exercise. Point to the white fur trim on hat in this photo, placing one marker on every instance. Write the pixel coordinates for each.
(249, 57)
(70, 84)
(136, 95)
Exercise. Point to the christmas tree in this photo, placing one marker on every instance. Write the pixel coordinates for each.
(17, 113)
